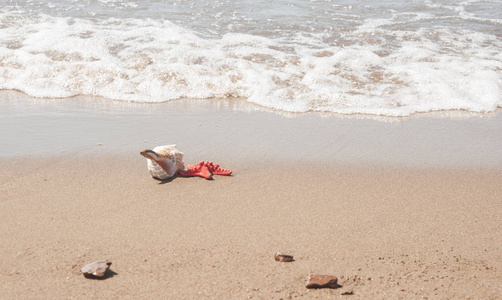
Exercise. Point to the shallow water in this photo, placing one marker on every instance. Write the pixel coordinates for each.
(223, 131)
(391, 58)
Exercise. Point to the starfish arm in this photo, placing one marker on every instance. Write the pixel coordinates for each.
(216, 170)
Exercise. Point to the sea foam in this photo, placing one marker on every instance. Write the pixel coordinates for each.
(372, 68)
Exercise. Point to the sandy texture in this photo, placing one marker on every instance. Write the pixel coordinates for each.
(385, 232)
(404, 209)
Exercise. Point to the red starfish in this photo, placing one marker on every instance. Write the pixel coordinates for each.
(204, 169)
(197, 170)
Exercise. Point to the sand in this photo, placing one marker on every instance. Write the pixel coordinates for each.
(390, 219)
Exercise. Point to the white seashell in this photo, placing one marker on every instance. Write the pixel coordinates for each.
(164, 161)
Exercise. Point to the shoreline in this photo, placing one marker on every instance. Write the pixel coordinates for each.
(240, 104)
(394, 210)
(216, 130)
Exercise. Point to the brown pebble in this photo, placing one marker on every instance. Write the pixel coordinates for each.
(283, 257)
(316, 281)
(96, 269)
(347, 292)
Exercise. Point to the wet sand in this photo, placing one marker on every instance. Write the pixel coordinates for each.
(390, 219)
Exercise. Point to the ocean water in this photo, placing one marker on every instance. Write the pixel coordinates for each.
(385, 57)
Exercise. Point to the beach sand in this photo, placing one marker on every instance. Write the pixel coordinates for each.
(406, 209)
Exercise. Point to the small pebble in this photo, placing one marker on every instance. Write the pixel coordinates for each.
(283, 257)
(316, 281)
(347, 292)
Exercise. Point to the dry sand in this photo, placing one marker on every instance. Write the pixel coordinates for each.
(388, 231)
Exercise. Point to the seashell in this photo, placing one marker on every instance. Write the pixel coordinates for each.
(164, 161)
(96, 269)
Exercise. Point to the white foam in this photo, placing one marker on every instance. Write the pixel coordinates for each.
(377, 70)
